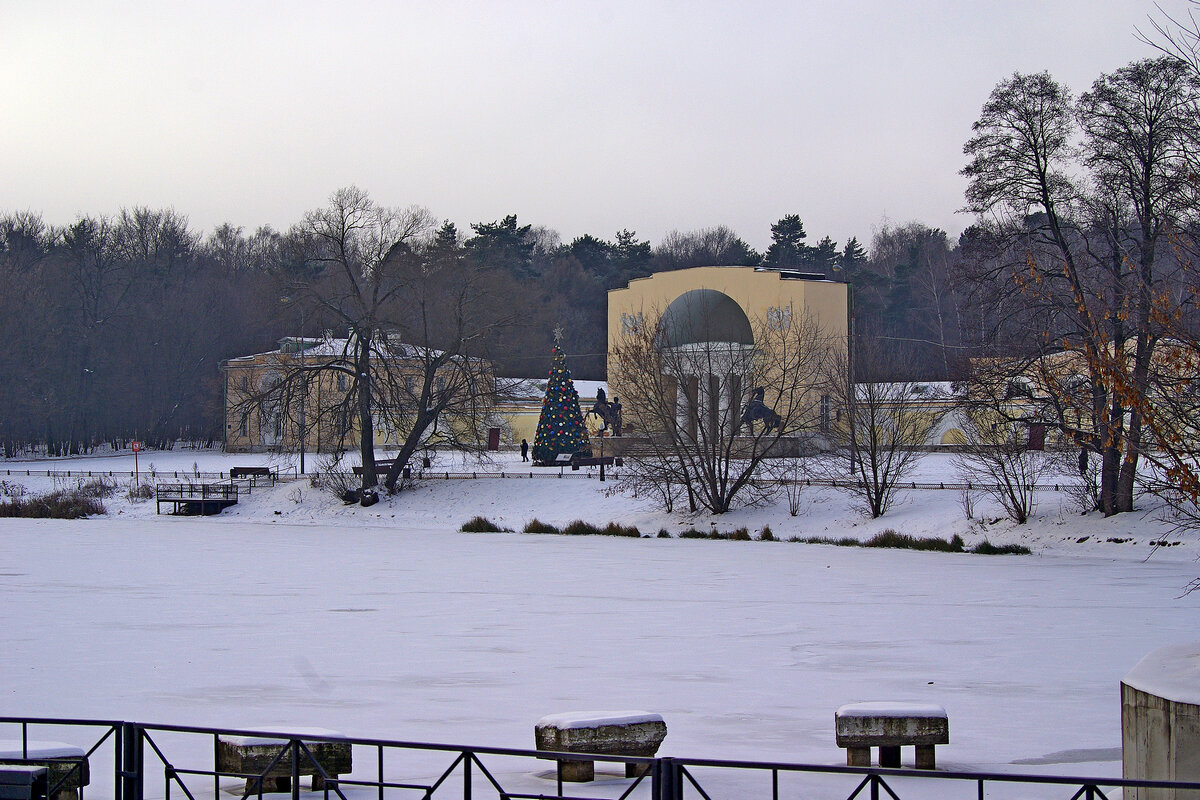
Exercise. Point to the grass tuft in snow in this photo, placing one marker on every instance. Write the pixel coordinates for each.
(767, 535)
(482, 525)
(986, 548)
(581, 528)
(892, 539)
(901, 541)
(535, 525)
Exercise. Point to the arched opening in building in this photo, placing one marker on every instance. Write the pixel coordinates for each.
(707, 346)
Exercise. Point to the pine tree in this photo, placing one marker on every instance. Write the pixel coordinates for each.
(787, 250)
(560, 427)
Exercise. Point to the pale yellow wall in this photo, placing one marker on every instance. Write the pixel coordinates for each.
(754, 291)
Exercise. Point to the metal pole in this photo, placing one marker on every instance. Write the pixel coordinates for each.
(131, 761)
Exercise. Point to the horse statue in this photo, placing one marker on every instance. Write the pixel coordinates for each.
(757, 411)
(609, 413)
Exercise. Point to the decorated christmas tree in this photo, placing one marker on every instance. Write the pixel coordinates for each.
(560, 427)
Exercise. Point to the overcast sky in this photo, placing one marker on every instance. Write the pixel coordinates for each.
(582, 117)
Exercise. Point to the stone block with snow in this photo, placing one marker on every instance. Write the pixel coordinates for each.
(617, 733)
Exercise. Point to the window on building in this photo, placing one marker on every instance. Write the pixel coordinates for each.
(245, 383)
(826, 412)
(342, 382)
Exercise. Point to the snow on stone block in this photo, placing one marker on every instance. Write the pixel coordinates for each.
(617, 733)
(594, 719)
(887, 725)
(891, 724)
(11, 748)
(1160, 719)
(1171, 672)
(300, 733)
(877, 709)
(252, 755)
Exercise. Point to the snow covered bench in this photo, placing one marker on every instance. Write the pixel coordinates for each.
(616, 733)
(252, 755)
(890, 726)
(66, 763)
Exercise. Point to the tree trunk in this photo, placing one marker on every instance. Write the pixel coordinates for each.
(366, 442)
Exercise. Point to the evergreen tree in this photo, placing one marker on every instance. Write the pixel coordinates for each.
(503, 245)
(631, 258)
(822, 257)
(560, 427)
(787, 250)
(852, 258)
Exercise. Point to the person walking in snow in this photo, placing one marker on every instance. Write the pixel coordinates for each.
(524, 450)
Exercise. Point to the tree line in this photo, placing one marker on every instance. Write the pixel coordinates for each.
(116, 325)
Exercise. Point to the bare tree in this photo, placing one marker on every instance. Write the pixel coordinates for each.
(997, 460)
(877, 441)
(1092, 229)
(419, 320)
(706, 411)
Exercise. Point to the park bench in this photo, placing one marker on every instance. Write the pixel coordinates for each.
(253, 473)
(890, 726)
(596, 461)
(381, 466)
(618, 733)
(66, 764)
(253, 756)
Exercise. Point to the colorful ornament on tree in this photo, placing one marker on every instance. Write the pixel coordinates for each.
(560, 427)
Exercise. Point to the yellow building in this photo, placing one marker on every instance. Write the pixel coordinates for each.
(320, 409)
(253, 426)
(741, 309)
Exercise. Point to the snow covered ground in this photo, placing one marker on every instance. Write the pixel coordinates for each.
(291, 608)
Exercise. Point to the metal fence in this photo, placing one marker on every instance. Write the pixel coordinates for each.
(612, 474)
(150, 761)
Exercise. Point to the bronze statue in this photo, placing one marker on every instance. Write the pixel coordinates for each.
(609, 413)
(756, 410)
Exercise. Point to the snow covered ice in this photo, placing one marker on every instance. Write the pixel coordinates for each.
(386, 622)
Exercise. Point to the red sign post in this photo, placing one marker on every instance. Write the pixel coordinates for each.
(137, 447)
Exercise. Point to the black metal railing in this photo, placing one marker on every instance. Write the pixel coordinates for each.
(188, 760)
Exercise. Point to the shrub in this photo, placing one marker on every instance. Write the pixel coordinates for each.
(97, 487)
(616, 529)
(740, 535)
(845, 541)
(890, 538)
(692, 533)
(140, 491)
(337, 479)
(580, 528)
(663, 533)
(481, 525)
(55, 505)
(767, 534)
(537, 526)
(986, 548)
